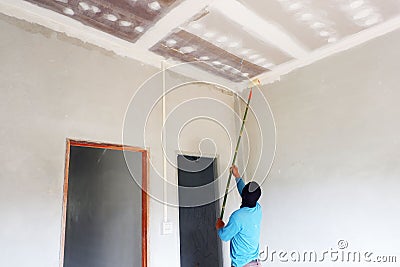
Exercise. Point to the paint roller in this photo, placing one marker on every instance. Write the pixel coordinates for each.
(254, 83)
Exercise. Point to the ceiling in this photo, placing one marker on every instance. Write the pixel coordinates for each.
(235, 40)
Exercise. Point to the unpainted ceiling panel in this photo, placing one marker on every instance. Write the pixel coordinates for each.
(125, 19)
(221, 31)
(316, 23)
(186, 47)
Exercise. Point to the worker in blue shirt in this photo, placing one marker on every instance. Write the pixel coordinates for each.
(243, 228)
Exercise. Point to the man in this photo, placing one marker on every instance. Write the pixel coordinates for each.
(243, 228)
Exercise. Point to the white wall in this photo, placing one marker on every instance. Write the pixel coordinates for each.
(53, 88)
(209, 135)
(203, 101)
(336, 174)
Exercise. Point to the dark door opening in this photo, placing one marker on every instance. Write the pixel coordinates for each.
(199, 242)
(104, 209)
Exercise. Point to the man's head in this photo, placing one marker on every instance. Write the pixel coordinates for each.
(250, 195)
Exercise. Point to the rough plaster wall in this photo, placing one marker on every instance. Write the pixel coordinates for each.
(336, 175)
(50, 90)
(54, 87)
(186, 136)
(192, 141)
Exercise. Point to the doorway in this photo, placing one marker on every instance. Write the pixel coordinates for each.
(105, 206)
(200, 245)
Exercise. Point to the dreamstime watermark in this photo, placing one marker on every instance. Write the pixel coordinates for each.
(340, 254)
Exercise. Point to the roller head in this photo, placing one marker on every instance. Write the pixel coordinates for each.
(255, 82)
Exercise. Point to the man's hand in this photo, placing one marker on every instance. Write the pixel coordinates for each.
(235, 171)
(220, 224)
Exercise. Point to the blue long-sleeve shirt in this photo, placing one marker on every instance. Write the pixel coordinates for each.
(243, 230)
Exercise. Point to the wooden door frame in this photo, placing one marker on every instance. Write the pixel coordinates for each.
(145, 198)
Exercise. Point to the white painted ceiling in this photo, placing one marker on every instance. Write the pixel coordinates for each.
(278, 35)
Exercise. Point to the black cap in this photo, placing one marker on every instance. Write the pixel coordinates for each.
(250, 195)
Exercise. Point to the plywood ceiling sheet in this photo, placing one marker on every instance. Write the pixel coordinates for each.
(187, 47)
(125, 19)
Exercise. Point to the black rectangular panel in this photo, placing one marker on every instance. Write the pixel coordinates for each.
(104, 209)
(199, 242)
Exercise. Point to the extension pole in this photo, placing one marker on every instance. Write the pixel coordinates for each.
(235, 155)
